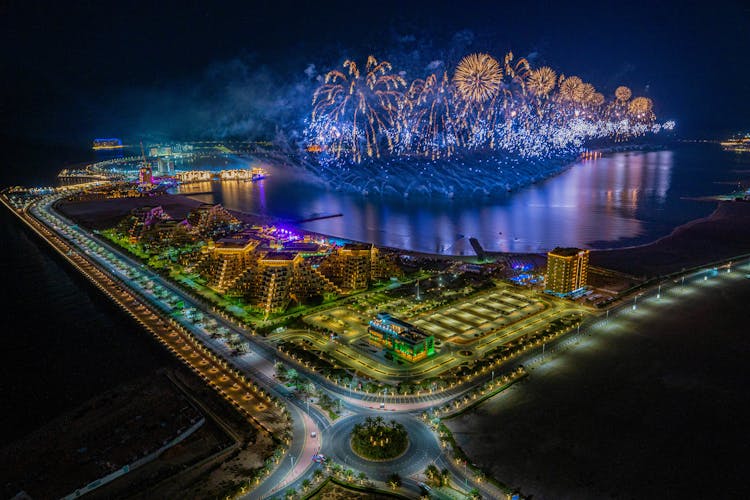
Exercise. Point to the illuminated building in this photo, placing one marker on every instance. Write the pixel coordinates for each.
(351, 266)
(140, 220)
(208, 218)
(403, 339)
(111, 143)
(566, 270)
(145, 175)
(356, 263)
(228, 261)
(276, 274)
(165, 166)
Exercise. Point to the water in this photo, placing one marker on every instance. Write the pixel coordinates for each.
(619, 200)
(63, 341)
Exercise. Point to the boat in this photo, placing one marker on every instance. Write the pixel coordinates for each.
(257, 174)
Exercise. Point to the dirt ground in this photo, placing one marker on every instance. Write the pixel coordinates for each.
(332, 491)
(183, 472)
(120, 425)
(104, 214)
(100, 436)
(723, 234)
(653, 406)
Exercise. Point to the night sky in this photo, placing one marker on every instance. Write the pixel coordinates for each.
(72, 72)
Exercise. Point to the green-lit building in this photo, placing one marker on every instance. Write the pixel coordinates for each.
(403, 339)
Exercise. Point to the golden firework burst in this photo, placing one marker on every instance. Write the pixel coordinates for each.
(478, 77)
(622, 93)
(541, 81)
(571, 89)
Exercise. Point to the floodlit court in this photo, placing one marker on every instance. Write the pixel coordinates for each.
(347, 323)
(478, 315)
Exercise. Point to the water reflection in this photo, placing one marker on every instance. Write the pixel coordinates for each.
(613, 201)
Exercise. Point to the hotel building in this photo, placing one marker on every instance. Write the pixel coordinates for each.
(567, 270)
(228, 260)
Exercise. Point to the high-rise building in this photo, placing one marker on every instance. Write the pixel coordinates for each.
(567, 270)
(165, 166)
(145, 175)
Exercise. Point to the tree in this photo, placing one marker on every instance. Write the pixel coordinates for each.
(433, 474)
(348, 474)
(394, 481)
(305, 484)
(446, 477)
(474, 494)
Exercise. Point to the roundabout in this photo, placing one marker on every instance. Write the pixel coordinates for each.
(422, 448)
(378, 440)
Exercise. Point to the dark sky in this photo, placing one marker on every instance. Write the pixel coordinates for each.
(71, 72)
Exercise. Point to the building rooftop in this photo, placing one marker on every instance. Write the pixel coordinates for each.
(301, 246)
(288, 256)
(405, 331)
(566, 252)
(357, 246)
(236, 241)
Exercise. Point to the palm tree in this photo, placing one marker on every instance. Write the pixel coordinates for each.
(446, 477)
(433, 474)
(348, 474)
(305, 484)
(394, 480)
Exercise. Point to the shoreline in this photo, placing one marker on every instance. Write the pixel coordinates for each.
(698, 234)
(723, 234)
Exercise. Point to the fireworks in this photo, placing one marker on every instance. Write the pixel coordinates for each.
(478, 78)
(486, 105)
(623, 93)
(571, 89)
(541, 81)
(357, 111)
(641, 109)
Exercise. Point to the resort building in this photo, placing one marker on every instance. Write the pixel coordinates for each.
(209, 218)
(403, 339)
(355, 265)
(140, 220)
(567, 270)
(228, 260)
(276, 273)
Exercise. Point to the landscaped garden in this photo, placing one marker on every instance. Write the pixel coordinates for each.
(375, 439)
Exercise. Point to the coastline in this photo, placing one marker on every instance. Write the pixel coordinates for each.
(723, 234)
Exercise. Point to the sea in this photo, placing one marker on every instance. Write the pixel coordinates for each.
(617, 200)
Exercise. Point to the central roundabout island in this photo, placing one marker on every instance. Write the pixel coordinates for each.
(378, 440)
